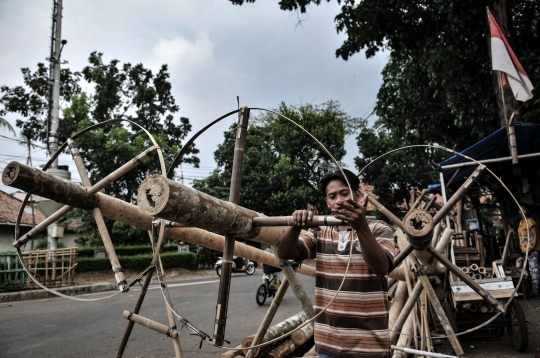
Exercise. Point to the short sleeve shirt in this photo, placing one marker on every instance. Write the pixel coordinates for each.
(356, 322)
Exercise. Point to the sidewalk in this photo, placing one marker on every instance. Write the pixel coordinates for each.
(92, 282)
(70, 291)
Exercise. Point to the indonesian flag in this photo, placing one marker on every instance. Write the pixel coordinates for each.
(503, 59)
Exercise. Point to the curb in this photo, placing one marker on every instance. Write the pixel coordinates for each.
(70, 291)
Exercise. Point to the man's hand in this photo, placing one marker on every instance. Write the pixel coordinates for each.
(302, 217)
(353, 212)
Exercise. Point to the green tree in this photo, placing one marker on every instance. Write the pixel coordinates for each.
(438, 86)
(282, 164)
(119, 90)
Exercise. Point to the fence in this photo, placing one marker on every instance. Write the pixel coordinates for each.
(12, 273)
(50, 267)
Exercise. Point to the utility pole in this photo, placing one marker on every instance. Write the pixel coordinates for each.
(57, 44)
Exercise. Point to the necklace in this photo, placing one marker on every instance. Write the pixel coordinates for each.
(343, 238)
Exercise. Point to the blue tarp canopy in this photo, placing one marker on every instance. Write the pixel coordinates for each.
(496, 146)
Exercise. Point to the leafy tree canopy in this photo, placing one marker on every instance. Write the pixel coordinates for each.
(282, 164)
(119, 90)
(438, 86)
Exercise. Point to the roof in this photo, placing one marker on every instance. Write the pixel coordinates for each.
(496, 146)
(9, 210)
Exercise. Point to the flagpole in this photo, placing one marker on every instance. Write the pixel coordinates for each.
(512, 145)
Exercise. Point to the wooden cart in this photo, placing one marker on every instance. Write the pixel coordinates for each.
(461, 312)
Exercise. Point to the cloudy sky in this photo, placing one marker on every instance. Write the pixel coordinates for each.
(215, 51)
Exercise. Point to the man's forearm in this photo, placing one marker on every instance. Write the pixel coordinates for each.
(287, 245)
(373, 253)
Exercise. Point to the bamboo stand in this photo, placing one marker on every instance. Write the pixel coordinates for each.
(230, 239)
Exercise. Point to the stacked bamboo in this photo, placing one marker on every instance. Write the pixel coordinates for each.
(280, 349)
(476, 272)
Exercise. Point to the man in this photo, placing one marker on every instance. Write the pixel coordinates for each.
(531, 244)
(356, 322)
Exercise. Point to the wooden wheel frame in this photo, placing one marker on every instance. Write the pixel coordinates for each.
(418, 224)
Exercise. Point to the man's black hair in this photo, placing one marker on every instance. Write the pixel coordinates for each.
(327, 178)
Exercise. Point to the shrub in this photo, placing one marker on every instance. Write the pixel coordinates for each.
(125, 250)
(185, 260)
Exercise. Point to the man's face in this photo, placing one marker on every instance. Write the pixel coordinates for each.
(338, 191)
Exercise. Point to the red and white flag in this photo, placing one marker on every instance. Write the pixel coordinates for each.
(503, 59)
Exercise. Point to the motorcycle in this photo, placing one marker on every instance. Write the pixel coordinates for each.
(247, 266)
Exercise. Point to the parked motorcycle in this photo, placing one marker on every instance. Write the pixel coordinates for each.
(247, 266)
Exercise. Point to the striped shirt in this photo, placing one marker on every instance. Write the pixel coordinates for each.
(356, 323)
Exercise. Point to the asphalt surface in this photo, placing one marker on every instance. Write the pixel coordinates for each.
(60, 327)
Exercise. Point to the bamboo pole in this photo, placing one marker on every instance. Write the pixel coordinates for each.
(276, 331)
(405, 338)
(153, 325)
(230, 238)
(136, 310)
(100, 222)
(441, 315)
(459, 194)
(127, 213)
(296, 286)
(397, 303)
(269, 316)
(405, 312)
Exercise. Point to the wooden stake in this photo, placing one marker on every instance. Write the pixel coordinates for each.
(263, 328)
(228, 247)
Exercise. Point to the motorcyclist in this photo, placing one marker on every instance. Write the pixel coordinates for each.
(239, 262)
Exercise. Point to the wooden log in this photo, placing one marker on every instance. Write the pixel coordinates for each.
(284, 350)
(302, 335)
(38, 182)
(127, 213)
(277, 330)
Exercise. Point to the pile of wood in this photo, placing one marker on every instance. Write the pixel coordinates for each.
(477, 272)
(282, 348)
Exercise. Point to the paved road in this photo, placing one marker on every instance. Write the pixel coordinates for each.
(64, 328)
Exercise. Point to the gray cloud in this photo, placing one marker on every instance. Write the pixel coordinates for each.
(214, 50)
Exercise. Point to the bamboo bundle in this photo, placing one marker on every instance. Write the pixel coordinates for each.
(465, 269)
(487, 275)
(277, 330)
(478, 276)
(473, 267)
(482, 270)
(24, 177)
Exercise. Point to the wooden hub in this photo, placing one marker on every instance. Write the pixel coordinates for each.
(418, 224)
